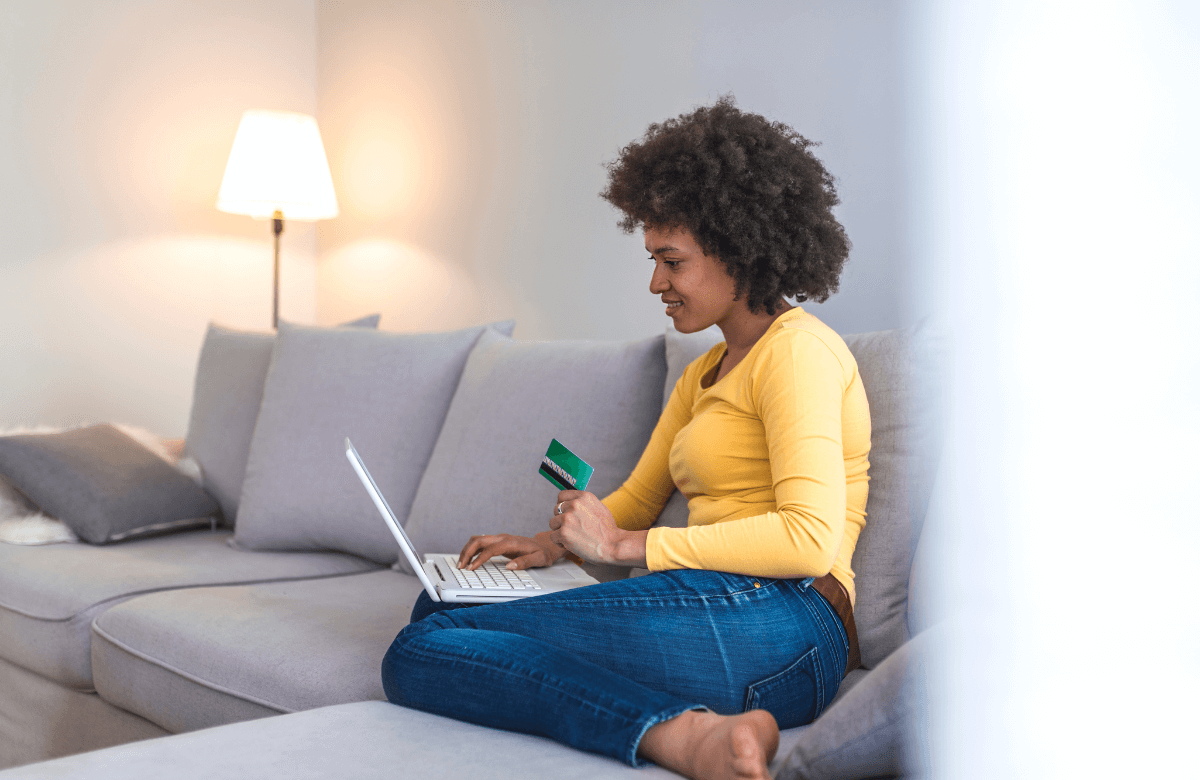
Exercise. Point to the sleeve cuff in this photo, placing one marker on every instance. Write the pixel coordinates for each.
(655, 556)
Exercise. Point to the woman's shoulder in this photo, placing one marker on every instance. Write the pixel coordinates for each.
(801, 333)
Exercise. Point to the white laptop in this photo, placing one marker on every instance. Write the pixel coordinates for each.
(491, 582)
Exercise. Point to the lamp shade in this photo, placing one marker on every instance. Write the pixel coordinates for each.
(278, 164)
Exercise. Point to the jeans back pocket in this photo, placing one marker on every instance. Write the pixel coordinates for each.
(795, 696)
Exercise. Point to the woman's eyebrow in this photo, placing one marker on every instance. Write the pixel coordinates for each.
(661, 249)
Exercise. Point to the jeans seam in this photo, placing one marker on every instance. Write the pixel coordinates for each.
(841, 628)
(829, 640)
(818, 619)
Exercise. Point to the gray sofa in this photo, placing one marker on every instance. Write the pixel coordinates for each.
(270, 628)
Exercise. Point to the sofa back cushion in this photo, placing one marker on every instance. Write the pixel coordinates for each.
(600, 399)
(229, 388)
(388, 392)
(898, 369)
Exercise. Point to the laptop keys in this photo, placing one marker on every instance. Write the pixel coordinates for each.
(491, 575)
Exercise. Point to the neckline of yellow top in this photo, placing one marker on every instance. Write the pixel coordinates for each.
(707, 379)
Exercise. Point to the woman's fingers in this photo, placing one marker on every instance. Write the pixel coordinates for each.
(503, 544)
(565, 497)
(534, 560)
(586, 527)
(468, 550)
(473, 546)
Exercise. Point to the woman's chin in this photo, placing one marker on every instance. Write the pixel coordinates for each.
(683, 326)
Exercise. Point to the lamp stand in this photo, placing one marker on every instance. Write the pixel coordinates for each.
(278, 227)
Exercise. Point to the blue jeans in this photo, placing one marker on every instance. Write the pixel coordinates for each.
(596, 667)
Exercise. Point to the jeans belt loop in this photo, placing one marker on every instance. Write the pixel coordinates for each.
(835, 593)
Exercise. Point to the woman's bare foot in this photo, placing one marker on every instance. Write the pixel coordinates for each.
(707, 746)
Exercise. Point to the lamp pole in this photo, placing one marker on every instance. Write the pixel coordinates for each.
(277, 158)
(278, 227)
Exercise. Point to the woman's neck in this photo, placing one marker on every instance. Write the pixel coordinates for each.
(742, 330)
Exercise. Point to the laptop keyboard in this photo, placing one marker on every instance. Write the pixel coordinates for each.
(491, 575)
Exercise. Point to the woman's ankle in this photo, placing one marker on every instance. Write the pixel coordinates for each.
(701, 744)
(669, 742)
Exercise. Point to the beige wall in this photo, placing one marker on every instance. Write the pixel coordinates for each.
(467, 140)
(117, 120)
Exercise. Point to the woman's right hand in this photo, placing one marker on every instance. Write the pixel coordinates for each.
(526, 552)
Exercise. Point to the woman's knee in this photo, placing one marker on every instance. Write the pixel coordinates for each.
(397, 663)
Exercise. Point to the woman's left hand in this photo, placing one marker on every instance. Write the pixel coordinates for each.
(586, 527)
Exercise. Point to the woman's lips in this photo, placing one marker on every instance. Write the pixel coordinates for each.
(673, 307)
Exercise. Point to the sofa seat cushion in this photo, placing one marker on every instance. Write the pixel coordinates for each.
(191, 659)
(50, 594)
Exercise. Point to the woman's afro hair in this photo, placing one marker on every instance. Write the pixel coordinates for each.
(748, 190)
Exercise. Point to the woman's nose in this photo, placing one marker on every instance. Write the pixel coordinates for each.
(658, 282)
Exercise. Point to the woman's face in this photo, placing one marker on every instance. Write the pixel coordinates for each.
(695, 287)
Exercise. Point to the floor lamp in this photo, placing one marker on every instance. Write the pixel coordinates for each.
(277, 170)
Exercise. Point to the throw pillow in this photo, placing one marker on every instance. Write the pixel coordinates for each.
(229, 387)
(387, 392)
(102, 484)
(600, 399)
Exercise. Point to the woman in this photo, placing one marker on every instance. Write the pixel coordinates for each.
(697, 665)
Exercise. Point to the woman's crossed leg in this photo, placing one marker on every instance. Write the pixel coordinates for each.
(657, 668)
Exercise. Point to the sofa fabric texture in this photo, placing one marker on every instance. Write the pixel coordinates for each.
(102, 484)
(904, 454)
(600, 399)
(49, 595)
(40, 719)
(189, 659)
(387, 392)
(367, 740)
(228, 392)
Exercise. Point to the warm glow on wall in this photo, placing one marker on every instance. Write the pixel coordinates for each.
(278, 164)
(413, 289)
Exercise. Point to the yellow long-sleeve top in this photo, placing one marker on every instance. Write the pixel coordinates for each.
(772, 459)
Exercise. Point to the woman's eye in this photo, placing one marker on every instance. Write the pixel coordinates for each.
(671, 263)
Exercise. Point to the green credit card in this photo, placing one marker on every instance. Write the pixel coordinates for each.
(565, 469)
